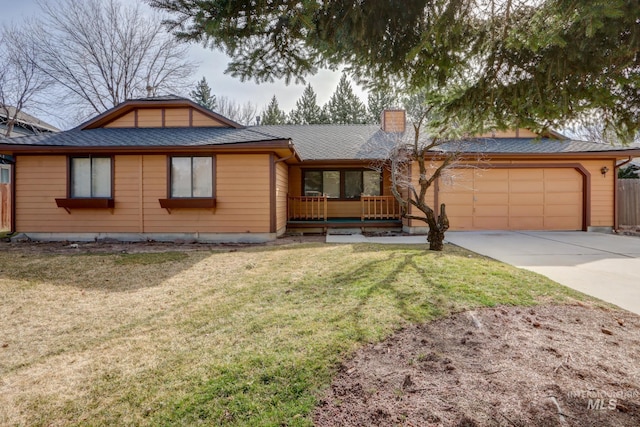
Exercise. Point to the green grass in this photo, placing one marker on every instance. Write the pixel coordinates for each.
(243, 338)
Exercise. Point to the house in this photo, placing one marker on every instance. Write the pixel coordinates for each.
(168, 169)
(24, 124)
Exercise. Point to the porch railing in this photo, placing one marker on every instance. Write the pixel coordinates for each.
(308, 208)
(379, 207)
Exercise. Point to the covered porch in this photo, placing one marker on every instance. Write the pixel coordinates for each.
(321, 212)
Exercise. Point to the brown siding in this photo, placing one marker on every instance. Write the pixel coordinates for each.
(242, 198)
(295, 181)
(153, 118)
(176, 117)
(5, 207)
(149, 117)
(42, 179)
(200, 120)
(242, 192)
(602, 192)
(282, 191)
(126, 121)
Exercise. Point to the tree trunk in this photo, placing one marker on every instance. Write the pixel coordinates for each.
(437, 227)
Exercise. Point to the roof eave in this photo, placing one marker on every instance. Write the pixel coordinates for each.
(66, 149)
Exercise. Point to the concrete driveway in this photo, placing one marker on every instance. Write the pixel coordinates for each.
(605, 266)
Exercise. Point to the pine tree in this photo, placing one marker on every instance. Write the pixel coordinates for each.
(344, 106)
(307, 111)
(377, 101)
(202, 95)
(273, 115)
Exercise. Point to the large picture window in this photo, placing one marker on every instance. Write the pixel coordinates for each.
(91, 177)
(191, 177)
(342, 184)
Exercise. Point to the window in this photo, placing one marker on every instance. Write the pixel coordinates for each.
(191, 177)
(4, 175)
(90, 177)
(341, 184)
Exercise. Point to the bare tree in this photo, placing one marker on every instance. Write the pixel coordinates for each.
(101, 52)
(21, 81)
(242, 113)
(434, 146)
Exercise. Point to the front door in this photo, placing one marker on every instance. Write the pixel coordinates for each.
(5, 197)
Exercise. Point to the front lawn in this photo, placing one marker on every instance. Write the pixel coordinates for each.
(230, 337)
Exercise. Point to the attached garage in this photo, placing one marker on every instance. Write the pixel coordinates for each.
(515, 197)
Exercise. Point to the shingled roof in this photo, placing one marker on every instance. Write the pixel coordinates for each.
(312, 142)
(146, 137)
(350, 142)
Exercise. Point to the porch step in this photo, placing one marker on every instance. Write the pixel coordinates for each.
(343, 231)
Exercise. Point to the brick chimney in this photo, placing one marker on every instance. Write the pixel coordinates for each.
(393, 121)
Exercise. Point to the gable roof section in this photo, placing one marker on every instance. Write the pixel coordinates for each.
(147, 140)
(170, 101)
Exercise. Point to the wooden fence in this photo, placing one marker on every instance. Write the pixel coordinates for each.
(629, 202)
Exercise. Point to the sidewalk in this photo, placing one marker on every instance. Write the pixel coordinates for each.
(385, 240)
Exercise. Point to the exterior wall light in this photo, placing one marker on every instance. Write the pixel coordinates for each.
(604, 170)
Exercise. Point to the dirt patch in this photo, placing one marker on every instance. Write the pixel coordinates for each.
(113, 246)
(543, 366)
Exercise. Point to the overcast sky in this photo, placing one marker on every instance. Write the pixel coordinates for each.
(211, 65)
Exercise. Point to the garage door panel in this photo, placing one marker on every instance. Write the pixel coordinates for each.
(555, 174)
(491, 223)
(567, 211)
(459, 210)
(561, 186)
(457, 198)
(562, 223)
(526, 186)
(526, 223)
(491, 175)
(497, 210)
(516, 210)
(461, 222)
(563, 199)
(491, 199)
(491, 186)
(526, 199)
(526, 174)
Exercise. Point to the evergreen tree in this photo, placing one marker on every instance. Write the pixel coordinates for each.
(273, 115)
(344, 106)
(307, 111)
(202, 95)
(377, 101)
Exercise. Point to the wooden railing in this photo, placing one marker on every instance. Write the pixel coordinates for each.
(379, 207)
(308, 208)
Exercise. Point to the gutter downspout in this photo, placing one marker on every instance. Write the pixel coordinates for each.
(616, 225)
